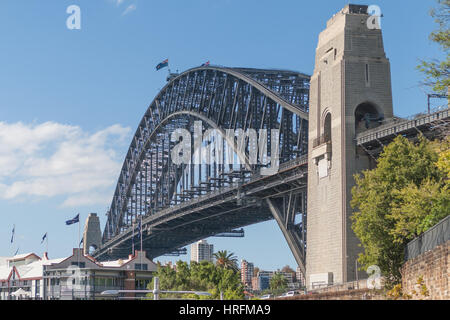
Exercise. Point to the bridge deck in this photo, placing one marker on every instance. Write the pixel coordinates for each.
(388, 130)
(221, 204)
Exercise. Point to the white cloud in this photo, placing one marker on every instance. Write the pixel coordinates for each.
(129, 9)
(52, 159)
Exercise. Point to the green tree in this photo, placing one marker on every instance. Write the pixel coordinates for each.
(288, 269)
(402, 197)
(278, 282)
(437, 72)
(203, 276)
(226, 260)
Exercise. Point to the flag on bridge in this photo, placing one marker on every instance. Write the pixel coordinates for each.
(12, 236)
(74, 220)
(205, 64)
(163, 64)
(44, 237)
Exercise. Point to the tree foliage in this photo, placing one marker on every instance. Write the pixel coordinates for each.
(438, 72)
(278, 282)
(406, 194)
(203, 276)
(226, 260)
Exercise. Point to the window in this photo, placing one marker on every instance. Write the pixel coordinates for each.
(81, 265)
(38, 287)
(327, 128)
(367, 75)
(139, 266)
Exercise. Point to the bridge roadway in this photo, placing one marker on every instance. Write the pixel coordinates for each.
(220, 211)
(430, 125)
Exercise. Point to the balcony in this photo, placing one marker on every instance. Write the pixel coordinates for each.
(321, 148)
(324, 138)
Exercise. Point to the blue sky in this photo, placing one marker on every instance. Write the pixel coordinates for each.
(70, 100)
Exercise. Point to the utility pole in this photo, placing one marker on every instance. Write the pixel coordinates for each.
(156, 288)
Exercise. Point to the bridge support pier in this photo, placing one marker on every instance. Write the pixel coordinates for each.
(284, 211)
(92, 235)
(350, 92)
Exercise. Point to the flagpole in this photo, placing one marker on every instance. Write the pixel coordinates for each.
(141, 244)
(79, 223)
(46, 244)
(132, 241)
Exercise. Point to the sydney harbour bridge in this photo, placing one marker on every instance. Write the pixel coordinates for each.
(183, 203)
(180, 204)
(177, 204)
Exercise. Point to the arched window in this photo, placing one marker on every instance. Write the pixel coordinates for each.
(367, 116)
(327, 128)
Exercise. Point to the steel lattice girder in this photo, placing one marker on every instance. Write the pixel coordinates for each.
(222, 98)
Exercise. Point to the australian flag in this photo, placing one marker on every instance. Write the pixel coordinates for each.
(205, 64)
(13, 231)
(74, 220)
(163, 64)
(44, 237)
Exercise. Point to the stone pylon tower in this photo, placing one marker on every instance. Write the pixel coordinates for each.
(350, 92)
(92, 235)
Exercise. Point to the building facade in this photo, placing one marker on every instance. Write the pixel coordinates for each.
(300, 277)
(262, 280)
(21, 277)
(202, 251)
(78, 276)
(247, 269)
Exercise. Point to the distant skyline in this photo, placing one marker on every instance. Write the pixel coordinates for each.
(71, 100)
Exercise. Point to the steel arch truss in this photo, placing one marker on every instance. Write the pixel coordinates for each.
(221, 98)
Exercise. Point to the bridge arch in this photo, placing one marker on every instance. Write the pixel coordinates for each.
(222, 98)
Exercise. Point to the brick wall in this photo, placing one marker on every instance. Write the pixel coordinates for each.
(129, 283)
(434, 267)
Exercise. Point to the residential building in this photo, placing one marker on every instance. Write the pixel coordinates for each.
(300, 277)
(262, 280)
(78, 276)
(202, 251)
(247, 269)
(21, 276)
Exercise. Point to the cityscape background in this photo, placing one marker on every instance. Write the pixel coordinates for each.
(72, 99)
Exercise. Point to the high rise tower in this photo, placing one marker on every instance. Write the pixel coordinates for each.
(350, 92)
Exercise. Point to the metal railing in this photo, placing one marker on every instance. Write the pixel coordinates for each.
(396, 127)
(430, 239)
(324, 138)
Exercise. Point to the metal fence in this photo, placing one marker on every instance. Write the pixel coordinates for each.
(437, 235)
